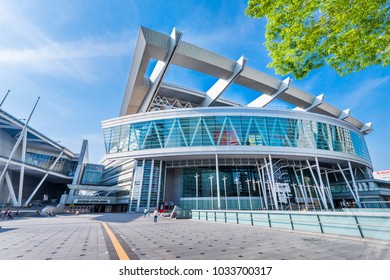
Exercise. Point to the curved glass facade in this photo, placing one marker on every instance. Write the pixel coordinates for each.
(234, 131)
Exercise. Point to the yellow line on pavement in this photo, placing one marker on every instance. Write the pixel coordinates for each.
(118, 247)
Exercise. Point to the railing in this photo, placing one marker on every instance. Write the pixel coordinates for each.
(361, 225)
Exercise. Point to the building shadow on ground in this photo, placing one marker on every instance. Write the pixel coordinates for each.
(3, 229)
(117, 217)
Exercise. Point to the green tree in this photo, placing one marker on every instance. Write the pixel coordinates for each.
(303, 35)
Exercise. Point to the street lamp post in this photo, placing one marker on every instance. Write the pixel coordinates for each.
(196, 189)
(224, 187)
(238, 193)
(249, 191)
(260, 193)
(211, 191)
(254, 191)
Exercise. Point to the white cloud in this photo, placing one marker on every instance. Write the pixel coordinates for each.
(364, 90)
(72, 59)
(28, 48)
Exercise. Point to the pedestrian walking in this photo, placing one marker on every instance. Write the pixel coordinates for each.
(145, 212)
(155, 215)
(8, 215)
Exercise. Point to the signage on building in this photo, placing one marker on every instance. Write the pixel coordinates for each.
(283, 191)
(255, 140)
(227, 138)
(94, 201)
(382, 175)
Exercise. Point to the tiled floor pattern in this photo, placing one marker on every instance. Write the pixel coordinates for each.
(83, 237)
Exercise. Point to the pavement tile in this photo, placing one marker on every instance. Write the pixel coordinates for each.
(82, 237)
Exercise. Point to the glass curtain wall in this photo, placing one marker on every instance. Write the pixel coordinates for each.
(239, 188)
(92, 174)
(234, 131)
(63, 165)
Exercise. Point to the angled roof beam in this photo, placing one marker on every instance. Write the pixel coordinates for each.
(345, 114)
(3, 126)
(160, 70)
(265, 99)
(221, 85)
(367, 128)
(5, 97)
(316, 102)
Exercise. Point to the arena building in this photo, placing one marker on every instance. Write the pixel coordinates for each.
(175, 145)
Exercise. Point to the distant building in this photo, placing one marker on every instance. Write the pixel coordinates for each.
(382, 175)
(175, 144)
(34, 170)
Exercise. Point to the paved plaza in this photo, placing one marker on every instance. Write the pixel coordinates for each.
(89, 237)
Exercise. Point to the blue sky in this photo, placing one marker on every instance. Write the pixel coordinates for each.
(76, 55)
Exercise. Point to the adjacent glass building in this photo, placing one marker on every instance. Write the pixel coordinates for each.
(34, 170)
(197, 150)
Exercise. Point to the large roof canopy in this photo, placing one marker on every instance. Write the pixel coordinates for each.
(171, 50)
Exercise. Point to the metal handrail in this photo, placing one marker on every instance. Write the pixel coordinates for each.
(293, 223)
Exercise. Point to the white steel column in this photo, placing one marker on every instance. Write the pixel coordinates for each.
(304, 189)
(316, 102)
(197, 190)
(140, 184)
(211, 191)
(221, 85)
(265, 99)
(249, 192)
(348, 185)
(271, 186)
(261, 200)
(10, 189)
(160, 70)
(159, 185)
(133, 185)
(150, 184)
(224, 187)
(329, 189)
(322, 189)
(254, 189)
(2, 189)
(17, 143)
(316, 190)
(311, 198)
(354, 185)
(264, 187)
(296, 192)
(271, 172)
(218, 185)
(316, 185)
(238, 193)
(301, 187)
(23, 160)
(165, 182)
(279, 196)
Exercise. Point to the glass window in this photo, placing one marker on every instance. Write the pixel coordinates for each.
(234, 131)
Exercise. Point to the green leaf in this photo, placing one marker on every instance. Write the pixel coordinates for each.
(348, 35)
